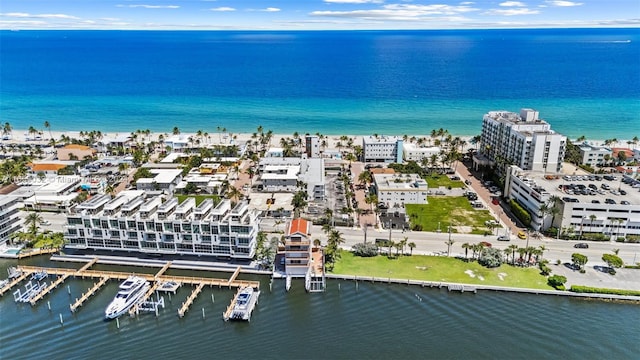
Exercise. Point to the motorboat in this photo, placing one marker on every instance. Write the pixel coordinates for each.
(131, 292)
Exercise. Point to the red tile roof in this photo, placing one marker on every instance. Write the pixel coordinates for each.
(298, 225)
(46, 167)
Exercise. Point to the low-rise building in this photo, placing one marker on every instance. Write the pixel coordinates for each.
(594, 155)
(131, 222)
(413, 152)
(297, 248)
(396, 190)
(164, 181)
(75, 152)
(382, 149)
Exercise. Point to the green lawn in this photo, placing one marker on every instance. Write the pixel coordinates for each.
(436, 180)
(199, 198)
(448, 210)
(439, 268)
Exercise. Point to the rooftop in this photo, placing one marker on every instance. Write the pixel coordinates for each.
(298, 225)
(381, 139)
(388, 182)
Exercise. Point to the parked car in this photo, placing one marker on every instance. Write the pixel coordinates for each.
(503, 238)
(45, 222)
(486, 244)
(581, 246)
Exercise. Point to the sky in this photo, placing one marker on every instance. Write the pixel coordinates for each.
(315, 14)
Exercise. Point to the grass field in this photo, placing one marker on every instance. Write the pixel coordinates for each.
(436, 180)
(199, 198)
(440, 268)
(448, 210)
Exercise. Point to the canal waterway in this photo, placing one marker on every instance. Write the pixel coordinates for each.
(381, 321)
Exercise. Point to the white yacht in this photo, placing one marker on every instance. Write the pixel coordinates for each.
(131, 292)
(245, 301)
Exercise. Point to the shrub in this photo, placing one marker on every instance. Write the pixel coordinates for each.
(594, 290)
(490, 257)
(365, 249)
(520, 212)
(557, 281)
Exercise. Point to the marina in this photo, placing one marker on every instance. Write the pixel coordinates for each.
(31, 290)
(242, 305)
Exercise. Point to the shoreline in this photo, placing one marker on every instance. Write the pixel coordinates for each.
(217, 138)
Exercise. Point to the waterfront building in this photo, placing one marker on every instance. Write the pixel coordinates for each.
(284, 174)
(522, 139)
(75, 152)
(413, 152)
(382, 149)
(10, 219)
(297, 248)
(312, 146)
(131, 222)
(396, 190)
(586, 204)
(54, 193)
(593, 155)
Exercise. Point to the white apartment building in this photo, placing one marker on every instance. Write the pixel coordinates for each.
(10, 219)
(593, 155)
(382, 149)
(278, 174)
(605, 210)
(396, 190)
(131, 222)
(312, 146)
(164, 181)
(413, 152)
(280, 178)
(523, 140)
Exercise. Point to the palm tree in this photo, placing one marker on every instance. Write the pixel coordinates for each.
(411, 246)
(593, 218)
(47, 126)
(33, 222)
(466, 247)
(317, 243)
(175, 131)
(449, 243)
(234, 193)
(512, 248)
(6, 129)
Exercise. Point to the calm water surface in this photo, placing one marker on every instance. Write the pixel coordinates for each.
(372, 321)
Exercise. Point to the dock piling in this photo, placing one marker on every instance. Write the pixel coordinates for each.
(61, 321)
(48, 305)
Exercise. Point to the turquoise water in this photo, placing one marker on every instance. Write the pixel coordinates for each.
(583, 81)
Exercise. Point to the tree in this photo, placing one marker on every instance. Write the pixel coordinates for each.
(490, 257)
(33, 222)
(175, 131)
(411, 246)
(365, 249)
(47, 126)
(234, 193)
(557, 281)
(614, 262)
(449, 243)
(544, 268)
(466, 247)
(579, 260)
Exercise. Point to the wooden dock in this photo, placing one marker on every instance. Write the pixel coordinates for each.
(37, 252)
(52, 286)
(234, 276)
(134, 309)
(88, 294)
(164, 268)
(227, 314)
(13, 283)
(185, 305)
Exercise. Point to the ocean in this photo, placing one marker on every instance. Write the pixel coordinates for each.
(370, 321)
(583, 81)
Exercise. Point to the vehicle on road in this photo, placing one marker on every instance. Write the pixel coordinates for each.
(522, 235)
(503, 238)
(581, 246)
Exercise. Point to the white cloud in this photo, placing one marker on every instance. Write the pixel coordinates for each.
(467, 3)
(403, 12)
(562, 3)
(149, 6)
(511, 12)
(354, 1)
(270, 9)
(38, 16)
(513, 3)
(223, 9)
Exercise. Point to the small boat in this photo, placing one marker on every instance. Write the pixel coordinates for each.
(3, 283)
(131, 292)
(39, 275)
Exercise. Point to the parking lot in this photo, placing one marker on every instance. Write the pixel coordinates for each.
(596, 189)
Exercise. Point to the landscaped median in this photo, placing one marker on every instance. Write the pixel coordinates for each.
(594, 290)
(440, 269)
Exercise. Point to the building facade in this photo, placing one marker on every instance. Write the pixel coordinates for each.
(594, 155)
(10, 219)
(312, 146)
(413, 152)
(523, 140)
(396, 190)
(297, 248)
(382, 149)
(131, 222)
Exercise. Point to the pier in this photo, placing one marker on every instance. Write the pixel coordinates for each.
(242, 305)
(52, 286)
(135, 309)
(88, 294)
(13, 283)
(23, 255)
(185, 305)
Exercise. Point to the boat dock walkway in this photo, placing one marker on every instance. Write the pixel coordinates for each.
(13, 283)
(23, 255)
(88, 294)
(245, 311)
(227, 314)
(52, 286)
(185, 305)
(135, 308)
